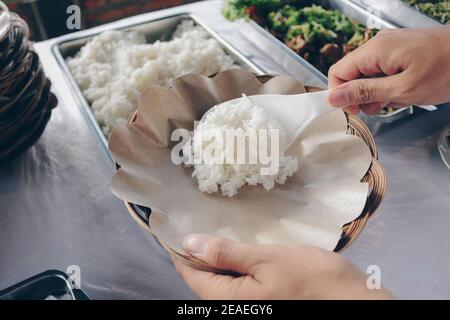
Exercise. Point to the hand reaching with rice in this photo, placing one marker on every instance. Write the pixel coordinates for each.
(396, 68)
(272, 272)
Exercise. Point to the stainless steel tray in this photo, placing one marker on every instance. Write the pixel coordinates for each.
(399, 13)
(49, 283)
(299, 67)
(158, 29)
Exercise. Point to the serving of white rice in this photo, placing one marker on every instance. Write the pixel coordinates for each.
(115, 66)
(244, 119)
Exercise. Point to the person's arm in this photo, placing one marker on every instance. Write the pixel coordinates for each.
(396, 68)
(272, 272)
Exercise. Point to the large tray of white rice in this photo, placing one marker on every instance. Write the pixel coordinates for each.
(115, 66)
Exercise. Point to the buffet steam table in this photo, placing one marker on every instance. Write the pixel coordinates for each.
(57, 210)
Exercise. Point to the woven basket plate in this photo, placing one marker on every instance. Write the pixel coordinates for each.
(375, 177)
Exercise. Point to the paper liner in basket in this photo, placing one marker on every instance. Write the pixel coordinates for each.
(325, 193)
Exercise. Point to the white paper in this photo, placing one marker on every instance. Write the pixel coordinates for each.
(311, 208)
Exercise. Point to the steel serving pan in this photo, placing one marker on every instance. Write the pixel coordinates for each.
(296, 65)
(157, 29)
(399, 13)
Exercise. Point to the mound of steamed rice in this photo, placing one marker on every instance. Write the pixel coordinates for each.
(115, 66)
(216, 173)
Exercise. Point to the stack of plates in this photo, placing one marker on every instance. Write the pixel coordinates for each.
(25, 98)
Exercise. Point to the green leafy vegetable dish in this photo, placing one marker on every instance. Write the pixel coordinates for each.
(320, 36)
(438, 9)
